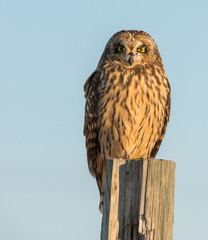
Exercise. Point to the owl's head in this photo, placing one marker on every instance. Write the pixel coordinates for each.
(131, 48)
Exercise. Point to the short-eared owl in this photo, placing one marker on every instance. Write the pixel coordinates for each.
(127, 103)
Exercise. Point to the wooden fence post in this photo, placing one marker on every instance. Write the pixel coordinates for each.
(138, 200)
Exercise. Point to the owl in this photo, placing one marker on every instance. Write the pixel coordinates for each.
(127, 103)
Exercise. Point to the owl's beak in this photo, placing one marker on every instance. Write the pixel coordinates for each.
(131, 60)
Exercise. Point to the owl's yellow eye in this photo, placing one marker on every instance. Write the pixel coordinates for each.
(141, 49)
(120, 49)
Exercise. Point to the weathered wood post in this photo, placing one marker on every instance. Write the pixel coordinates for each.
(138, 200)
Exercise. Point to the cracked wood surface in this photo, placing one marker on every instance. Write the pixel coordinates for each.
(139, 200)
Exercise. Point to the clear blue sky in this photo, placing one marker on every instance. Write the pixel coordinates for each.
(47, 51)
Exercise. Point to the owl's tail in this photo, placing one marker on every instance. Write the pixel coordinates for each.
(100, 177)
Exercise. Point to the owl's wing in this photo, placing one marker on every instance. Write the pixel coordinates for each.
(97, 165)
(165, 122)
(90, 124)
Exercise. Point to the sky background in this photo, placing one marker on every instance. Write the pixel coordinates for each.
(47, 51)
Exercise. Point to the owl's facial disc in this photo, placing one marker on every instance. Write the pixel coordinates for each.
(130, 54)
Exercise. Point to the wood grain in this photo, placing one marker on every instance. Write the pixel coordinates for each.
(138, 200)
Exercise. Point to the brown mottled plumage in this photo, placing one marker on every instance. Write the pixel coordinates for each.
(127, 103)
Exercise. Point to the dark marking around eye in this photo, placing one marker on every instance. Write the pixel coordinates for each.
(119, 48)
